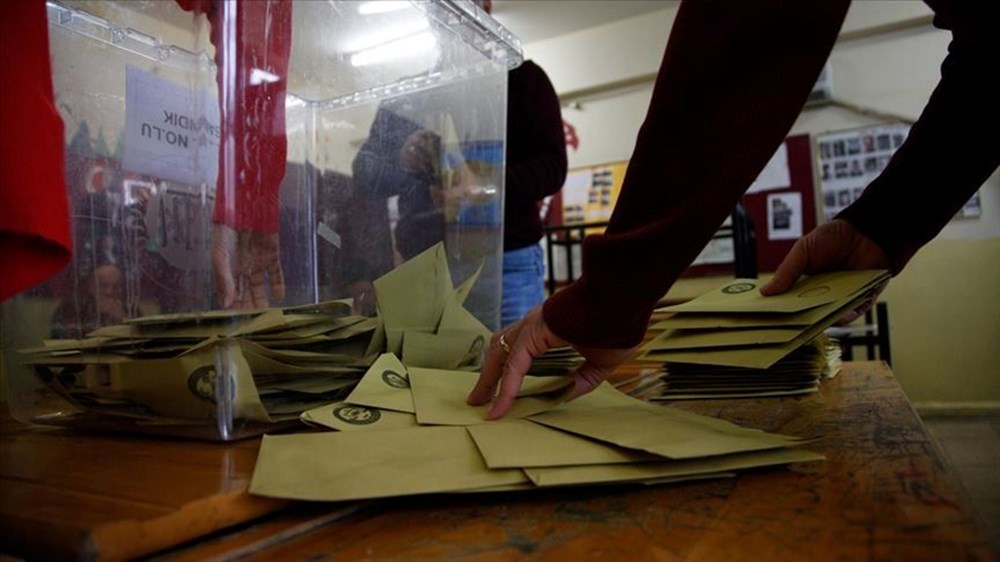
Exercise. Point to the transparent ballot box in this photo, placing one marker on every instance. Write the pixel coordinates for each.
(244, 180)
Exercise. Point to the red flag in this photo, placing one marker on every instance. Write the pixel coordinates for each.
(35, 239)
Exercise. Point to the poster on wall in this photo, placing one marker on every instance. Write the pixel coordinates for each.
(784, 216)
(590, 193)
(849, 160)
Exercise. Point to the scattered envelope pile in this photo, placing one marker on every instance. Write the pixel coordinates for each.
(161, 371)
(734, 342)
(407, 430)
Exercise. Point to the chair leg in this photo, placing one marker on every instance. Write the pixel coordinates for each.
(882, 315)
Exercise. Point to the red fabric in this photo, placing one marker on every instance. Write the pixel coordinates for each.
(733, 79)
(35, 239)
(248, 37)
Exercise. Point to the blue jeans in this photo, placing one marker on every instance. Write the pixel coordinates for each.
(523, 283)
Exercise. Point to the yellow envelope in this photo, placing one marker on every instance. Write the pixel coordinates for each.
(521, 443)
(386, 385)
(439, 396)
(462, 290)
(353, 465)
(413, 296)
(189, 386)
(691, 339)
(755, 357)
(453, 349)
(667, 432)
(682, 469)
(743, 295)
(343, 416)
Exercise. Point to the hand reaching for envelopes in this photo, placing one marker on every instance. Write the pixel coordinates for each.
(511, 352)
(832, 246)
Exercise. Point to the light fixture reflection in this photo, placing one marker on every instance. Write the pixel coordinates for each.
(403, 47)
(382, 6)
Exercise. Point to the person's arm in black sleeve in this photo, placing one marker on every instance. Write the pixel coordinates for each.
(536, 163)
(951, 150)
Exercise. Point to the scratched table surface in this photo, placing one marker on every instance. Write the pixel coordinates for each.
(883, 494)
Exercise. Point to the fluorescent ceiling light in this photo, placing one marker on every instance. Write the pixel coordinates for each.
(382, 6)
(398, 49)
(388, 34)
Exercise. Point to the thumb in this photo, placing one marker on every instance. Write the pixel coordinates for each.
(588, 377)
(791, 268)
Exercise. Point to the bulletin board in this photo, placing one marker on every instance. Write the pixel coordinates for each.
(849, 160)
(590, 192)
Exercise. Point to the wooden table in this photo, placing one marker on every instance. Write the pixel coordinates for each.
(883, 494)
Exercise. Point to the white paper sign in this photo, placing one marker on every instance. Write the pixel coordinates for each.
(784, 216)
(775, 174)
(171, 131)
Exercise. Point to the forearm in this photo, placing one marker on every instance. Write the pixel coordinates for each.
(951, 150)
(732, 82)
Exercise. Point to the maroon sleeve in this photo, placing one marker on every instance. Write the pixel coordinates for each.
(733, 79)
(35, 240)
(951, 150)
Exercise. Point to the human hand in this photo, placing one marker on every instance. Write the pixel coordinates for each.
(832, 246)
(509, 357)
(241, 261)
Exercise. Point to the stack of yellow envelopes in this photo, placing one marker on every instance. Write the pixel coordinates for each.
(407, 430)
(735, 342)
(162, 370)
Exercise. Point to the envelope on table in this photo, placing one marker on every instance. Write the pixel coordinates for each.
(521, 443)
(386, 385)
(439, 396)
(655, 429)
(689, 339)
(673, 470)
(350, 465)
(344, 416)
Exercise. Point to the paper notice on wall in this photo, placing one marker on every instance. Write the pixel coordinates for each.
(784, 216)
(574, 196)
(171, 130)
(775, 174)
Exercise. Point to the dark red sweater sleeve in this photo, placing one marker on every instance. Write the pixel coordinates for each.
(733, 79)
(951, 150)
(35, 240)
(252, 49)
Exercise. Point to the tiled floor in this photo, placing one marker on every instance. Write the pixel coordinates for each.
(971, 445)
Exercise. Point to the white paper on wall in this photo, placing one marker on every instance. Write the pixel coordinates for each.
(775, 174)
(171, 131)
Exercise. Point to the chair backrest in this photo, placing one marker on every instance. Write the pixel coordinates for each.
(873, 335)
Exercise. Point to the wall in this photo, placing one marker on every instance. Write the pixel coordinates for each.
(944, 325)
